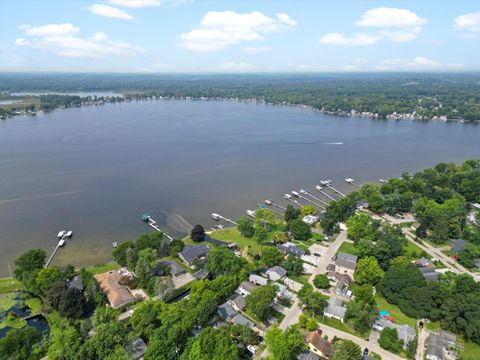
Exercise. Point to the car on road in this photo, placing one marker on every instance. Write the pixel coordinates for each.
(317, 254)
(252, 349)
(365, 352)
(326, 291)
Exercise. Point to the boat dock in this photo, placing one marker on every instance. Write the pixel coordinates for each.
(305, 192)
(351, 182)
(152, 223)
(272, 203)
(299, 195)
(62, 236)
(320, 189)
(328, 183)
(216, 216)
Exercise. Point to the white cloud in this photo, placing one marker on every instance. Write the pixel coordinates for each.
(237, 66)
(135, 3)
(417, 63)
(50, 30)
(61, 40)
(384, 17)
(468, 23)
(256, 50)
(359, 39)
(109, 11)
(360, 61)
(392, 24)
(221, 29)
(304, 67)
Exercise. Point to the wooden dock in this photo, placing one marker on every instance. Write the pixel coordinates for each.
(153, 224)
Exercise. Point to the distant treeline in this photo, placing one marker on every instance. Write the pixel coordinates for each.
(419, 96)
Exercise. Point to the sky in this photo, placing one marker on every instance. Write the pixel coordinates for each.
(175, 36)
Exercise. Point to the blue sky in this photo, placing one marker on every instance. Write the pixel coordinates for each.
(239, 36)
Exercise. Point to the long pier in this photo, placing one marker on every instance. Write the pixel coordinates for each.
(319, 188)
(61, 242)
(335, 190)
(272, 203)
(297, 194)
(152, 223)
(305, 192)
(216, 216)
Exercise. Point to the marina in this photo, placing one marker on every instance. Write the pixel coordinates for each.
(62, 236)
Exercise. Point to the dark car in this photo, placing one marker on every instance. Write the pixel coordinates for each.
(365, 352)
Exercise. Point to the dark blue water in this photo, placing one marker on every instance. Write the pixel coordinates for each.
(95, 170)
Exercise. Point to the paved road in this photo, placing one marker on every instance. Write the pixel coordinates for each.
(422, 338)
(291, 317)
(331, 332)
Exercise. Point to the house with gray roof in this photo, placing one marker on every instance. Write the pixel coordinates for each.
(76, 282)
(136, 348)
(424, 262)
(346, 263)
(335, 309)
(242, 320)
(226, 311)
(276, 273)
(458, 245)
(308, 355)
(257, 279)
(237, 302)
(246, 288)
(429, 274)
(190, 253)
(291, 249)
(405, 332)
(441, 346)
(173, 267)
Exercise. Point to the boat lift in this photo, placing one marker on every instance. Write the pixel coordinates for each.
(299, 195)
(152, 223)
(305, 192)
(217, 217)
(320, 189)
(351, 182)
(272, 203)
(62, 237)
(292, 199)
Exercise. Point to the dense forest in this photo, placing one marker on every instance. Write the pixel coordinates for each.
(398, 96)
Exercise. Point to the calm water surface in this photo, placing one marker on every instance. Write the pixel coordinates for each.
(95, 170)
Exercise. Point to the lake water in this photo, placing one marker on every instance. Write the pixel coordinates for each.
(95, 170)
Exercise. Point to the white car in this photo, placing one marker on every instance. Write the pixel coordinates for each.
(252, 349)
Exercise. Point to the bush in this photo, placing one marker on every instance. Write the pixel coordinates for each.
(321, 281)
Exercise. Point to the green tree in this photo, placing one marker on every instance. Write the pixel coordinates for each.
(146, 318)
(271, 256)
(291, 213)
(389, 340)
(18, 343)
(347, 350)
(27, 264)
(222, 261)
(106, 338)
(213, 344)
(368, 271)
(103, 315)
(147, 260)
(261, 234)
(198, 233)
(293, 265)
(308, 210)
(260, 300)
(164, 287)
(361, 226)
(285, 345)
(120, 253)
(313, 301)
(469, 255)
(300, 230)
(176, 246)
(246, 226)
(321, 281)
(264, 217)
(361, 315)
(45, 278)
(65, 342)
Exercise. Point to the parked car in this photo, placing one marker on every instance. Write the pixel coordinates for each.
(326, 291)
(365, 352)
(319, 331)
(317, 254)
(252, 349)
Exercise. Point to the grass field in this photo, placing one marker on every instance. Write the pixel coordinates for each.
(339, 326)
(413, 251)
(433, 326)
(9, 284)
(348, 248)
(471, 351)
(102, 268)
(395, 312)
(25, 101)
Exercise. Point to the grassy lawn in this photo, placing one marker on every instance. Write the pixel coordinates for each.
(277, 315)
(413, 251)
(433, 326)
(233, 235)
(302, 279)
(102, 268)
(334, 323)
(348, 248)
(9, 284)
(470, 351)
(395, 312)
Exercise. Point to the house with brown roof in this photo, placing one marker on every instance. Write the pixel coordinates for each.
(110, 283)
(319, 345)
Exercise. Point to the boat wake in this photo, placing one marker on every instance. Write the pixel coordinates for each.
(333, 143)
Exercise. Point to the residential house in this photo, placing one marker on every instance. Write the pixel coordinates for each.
(441, 346)
(362, 204)
(331, 267)
(310, 219)
(308, 355)
(226, 311)
(335, 309)
(405, 332)
(246, 288)
(429, 273)
(458, 245)
(76, 282)
(110, 283)
(242, 320)
(136, 349)
(191, 253)
(237, 302)
(257, 280)
(291, 249)
(200, 274)
(424, 262)
(346, 263)
(318, 345)
(283, 292)
(341, 283)
(173, 267)
(276, 273)
(415, 226)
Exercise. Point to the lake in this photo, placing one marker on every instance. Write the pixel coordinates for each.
(95, 170)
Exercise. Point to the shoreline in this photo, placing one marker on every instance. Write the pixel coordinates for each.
(125, 97)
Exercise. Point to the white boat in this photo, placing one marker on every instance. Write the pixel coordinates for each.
(318, 187)
(114, 244)
(324, 182)
(69, 233)
(287, 196)
(349, 180)
(216, 216)
(61, 242)
(382, 181)
(251, 213)
(61, 234)
(305, 192)
(295, 193)
(268, 202)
